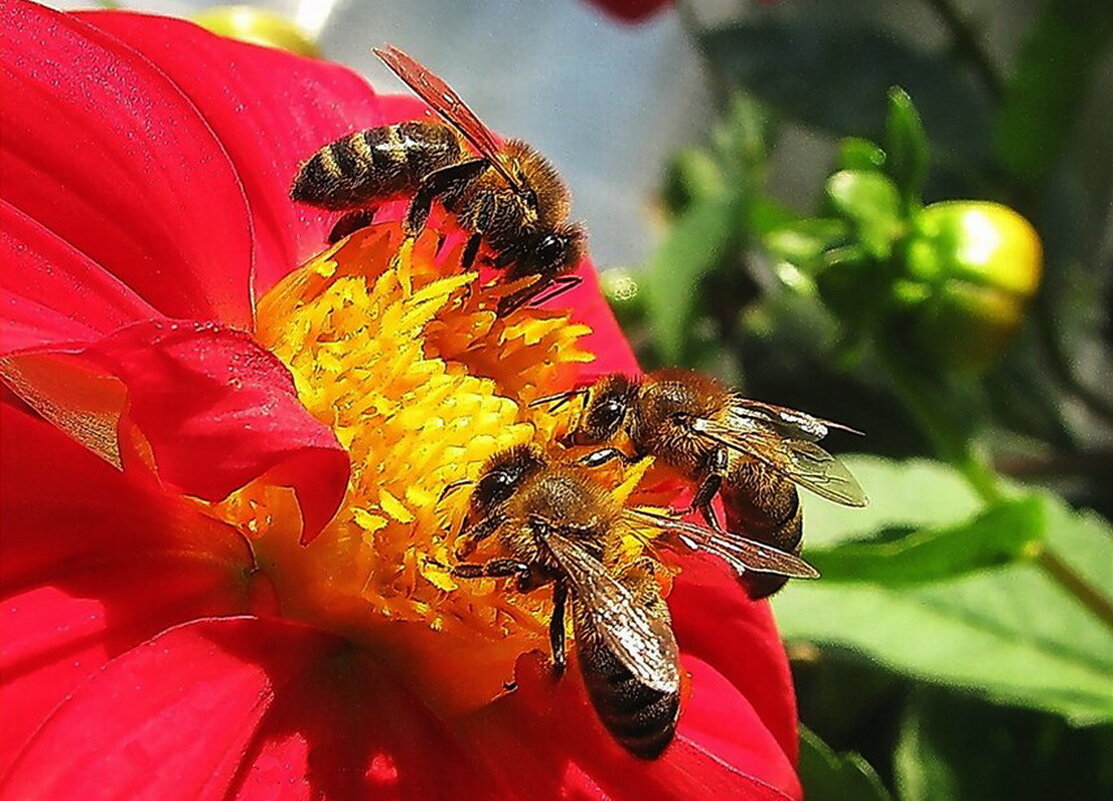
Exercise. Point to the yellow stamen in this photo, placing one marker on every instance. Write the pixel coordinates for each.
(421, 382)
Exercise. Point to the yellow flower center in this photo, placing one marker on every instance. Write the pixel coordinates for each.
(421, 382)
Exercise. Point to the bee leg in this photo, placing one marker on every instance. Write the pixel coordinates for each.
(556, 627)
(496, 568)
(557, 287)
(516, 299)
(604, 455)
(477, 533)
(708, 488)
(350, 223)
(449, 181)
(471, 250)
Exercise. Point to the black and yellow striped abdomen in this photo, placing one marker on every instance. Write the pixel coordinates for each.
(641, 718)
(372, 166)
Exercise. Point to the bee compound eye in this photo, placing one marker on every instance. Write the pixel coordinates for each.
(495, 487)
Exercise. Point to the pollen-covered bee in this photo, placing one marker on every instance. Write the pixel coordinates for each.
(558, 525)
(507, 195)
(751, 453)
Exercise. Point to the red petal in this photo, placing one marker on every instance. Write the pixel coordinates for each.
(216, 409)
(53, 292)
(250, 709)
(631, 10)
(104, 151)
(716, 622)
(270, 110)
(351, 730)
(93, 564)
(612, 352)
(170, 719)
(722, 750)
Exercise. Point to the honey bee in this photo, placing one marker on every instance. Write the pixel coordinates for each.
(558, 525)
(753, 454)
(507, 195)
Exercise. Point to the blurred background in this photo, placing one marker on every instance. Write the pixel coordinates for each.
(897, 214)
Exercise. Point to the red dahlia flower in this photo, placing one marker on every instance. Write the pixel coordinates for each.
(221, 470)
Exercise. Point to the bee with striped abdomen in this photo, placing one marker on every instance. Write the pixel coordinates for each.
(508, 196)
(753, 454)
(558, 525)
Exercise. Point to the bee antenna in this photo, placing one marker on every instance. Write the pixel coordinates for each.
(451, 488)
(559, 399)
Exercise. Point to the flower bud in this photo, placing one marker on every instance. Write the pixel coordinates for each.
(978, 264)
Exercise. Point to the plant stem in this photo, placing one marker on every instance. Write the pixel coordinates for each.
(958, 450)
(1063, 575)
(969, 46)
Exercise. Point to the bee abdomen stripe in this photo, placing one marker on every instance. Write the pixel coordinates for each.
(347, 161)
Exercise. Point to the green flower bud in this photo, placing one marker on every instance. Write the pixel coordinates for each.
(981, 263)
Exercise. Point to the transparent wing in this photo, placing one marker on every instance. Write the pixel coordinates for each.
(789, 422)
(788, 446)
(444, 100)
(742, 554)
(643, 643)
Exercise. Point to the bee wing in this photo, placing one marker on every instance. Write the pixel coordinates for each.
(742, 554)
(790, 422)
(788, 446)
(444, 100)
(642, 642)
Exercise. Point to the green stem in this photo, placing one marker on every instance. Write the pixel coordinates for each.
(972, 462)
(969, 46)
(1065, 576)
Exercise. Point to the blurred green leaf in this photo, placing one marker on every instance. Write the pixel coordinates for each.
(906, 148)
(837, 78)
(828, 776)
(955, 749)
(871, 202)
(1054, 72)
(856, 153)
(700, 238)
(803, 242)
(1010, 634)
(692, 176)
(898, 557)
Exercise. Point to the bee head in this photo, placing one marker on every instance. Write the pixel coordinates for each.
(605, 411)
(552, 252)
(503, 474)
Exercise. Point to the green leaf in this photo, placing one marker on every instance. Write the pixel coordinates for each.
(692, 176)
(837, 78)
(856, 153)
(828, 776)
(701, 237)
(899, 557)
(1010, 634)
(906, 148)
(871, 202)
(803, 242)
(957, 749)
(1055, 70)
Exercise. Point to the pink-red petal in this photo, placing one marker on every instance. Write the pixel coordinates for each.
(244, 708)
(93, 563)
(701, 763)
(215, 409)
(270, 110)
(53, 292)
(715, 622)
(103, 150)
